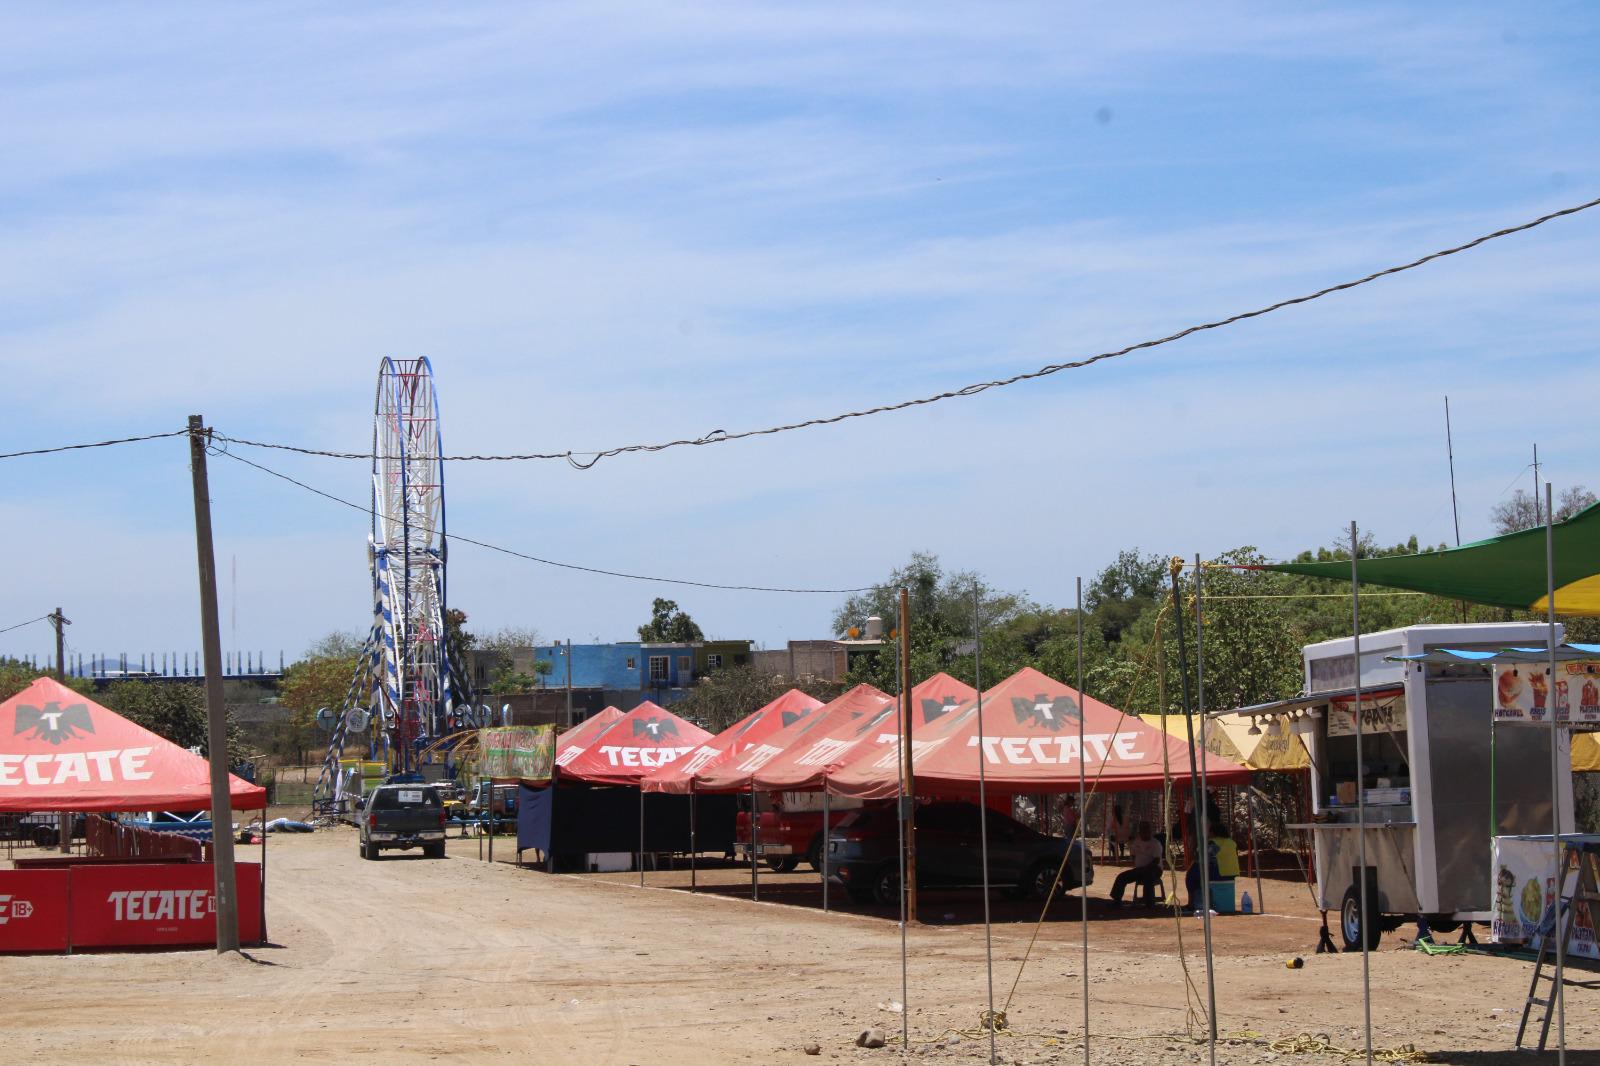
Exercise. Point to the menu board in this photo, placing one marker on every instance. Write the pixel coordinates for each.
(1523, 692)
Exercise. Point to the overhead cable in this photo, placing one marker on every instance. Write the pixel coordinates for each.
(586, 460)
(29, 622)
(538, 559)
(94, 444)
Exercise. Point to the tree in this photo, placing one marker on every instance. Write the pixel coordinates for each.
(727, 695)
(307, 686)
(669, 625)
(174, 711)
(943, 608)
(1524, 510)
(339, 644)
(16, 675)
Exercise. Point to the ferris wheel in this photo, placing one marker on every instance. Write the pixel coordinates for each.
(411, 690)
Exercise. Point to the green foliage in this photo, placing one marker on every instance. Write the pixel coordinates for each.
(669, 625)
(309, 685)
(727, 695)
(16, 675)
(174, 711)
(1255, 624)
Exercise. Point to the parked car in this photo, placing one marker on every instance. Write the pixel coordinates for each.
(788, 829)
(504, 800)
(41, 827)
(863, 856)
(402, 816)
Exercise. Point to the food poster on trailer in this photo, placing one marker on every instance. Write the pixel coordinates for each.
(1523, 692)
(1524, 888)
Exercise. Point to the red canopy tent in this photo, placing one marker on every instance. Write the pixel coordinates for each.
(1030, 745)
(679, 777)
(806, 767)
(635, 744)
(840, 715)
(61, 751)
(571, 743)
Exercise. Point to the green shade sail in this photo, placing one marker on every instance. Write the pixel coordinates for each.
(1507, 571)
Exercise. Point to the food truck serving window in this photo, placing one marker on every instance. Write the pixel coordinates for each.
(1383, 751)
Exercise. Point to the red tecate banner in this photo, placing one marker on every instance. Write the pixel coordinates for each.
(33, 910)
(170, 905)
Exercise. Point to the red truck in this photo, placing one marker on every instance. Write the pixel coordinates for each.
(789, 828)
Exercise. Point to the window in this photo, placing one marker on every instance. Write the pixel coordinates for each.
(684, 663)
(658, 668)
(713, 662)
(630, 662)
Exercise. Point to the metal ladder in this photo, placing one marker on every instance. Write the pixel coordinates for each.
(1586, 892)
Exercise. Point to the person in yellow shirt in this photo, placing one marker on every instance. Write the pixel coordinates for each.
(1224, 854)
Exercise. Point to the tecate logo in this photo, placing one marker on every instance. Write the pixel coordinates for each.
(162, 904)
(11, 907)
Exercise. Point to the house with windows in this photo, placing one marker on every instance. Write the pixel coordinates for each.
(630, 672)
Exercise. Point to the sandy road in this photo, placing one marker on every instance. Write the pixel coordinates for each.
(410, 960)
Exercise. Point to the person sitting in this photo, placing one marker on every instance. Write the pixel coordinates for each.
(1222, 863)
(1146, 870)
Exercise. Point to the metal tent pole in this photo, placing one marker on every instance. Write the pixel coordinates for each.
(755, 844)
(825, 824)
(694, 845)
(1255, 848)
(641, 835)
(1205, 804)
(900, 822)
(1197, 806)
(1083, 816)
(983, 819)
(1560, 990)
(1361, 798)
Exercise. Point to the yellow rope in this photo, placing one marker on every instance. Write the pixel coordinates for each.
(1299, 1044)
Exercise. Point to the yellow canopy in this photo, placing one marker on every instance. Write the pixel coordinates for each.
(1585, 753)
(1229, 736)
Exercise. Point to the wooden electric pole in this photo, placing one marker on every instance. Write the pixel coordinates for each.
(909, 814)
(216, 708)
(59, 621)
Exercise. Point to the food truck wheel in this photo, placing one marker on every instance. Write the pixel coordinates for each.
(782, 864)
(1353, 925)
(814, 854)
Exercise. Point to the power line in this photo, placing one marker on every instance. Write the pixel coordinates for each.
(95, 444)
(534, 558)
(586, 460)
(29, 622)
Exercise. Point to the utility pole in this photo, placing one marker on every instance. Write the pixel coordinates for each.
(909, 814)
(59, 621)
(1538, 514)
(216, 709)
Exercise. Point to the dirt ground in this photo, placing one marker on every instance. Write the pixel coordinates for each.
(414, 960)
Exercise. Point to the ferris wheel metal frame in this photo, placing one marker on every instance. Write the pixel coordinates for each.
(412, 687)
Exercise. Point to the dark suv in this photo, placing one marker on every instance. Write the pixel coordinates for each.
(402, 816)
(862, 853)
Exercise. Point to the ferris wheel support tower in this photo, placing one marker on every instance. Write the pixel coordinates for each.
(411, 696)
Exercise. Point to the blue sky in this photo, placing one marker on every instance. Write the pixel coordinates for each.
(630, 222)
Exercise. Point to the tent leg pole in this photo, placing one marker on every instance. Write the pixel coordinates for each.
(263, 872)
(641, 836)
(694, 846)
(824, 848)
(1361, 794)
(1559, 990)
(755, 846)
(983, 820)
(1255, 850)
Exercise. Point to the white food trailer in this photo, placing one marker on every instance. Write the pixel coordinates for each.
(1433, 767)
